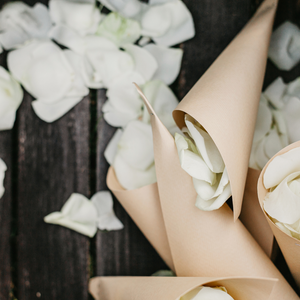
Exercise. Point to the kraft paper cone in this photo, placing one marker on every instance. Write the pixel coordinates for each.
(143, 206)
(252, 216)
(289, 246)
(204, 243)
(172, 288)
(225, 99)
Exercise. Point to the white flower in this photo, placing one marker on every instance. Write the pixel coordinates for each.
(201, 159)
(284, 50)
(82, 16)
(11, 96)
(20, 23)
(124, 103)
(282, 203)
(107, 219)
(207, 293)
(118, 29)
(3, 168)
(84, 216)
(270, 135)
(49, 74)
(131, 154)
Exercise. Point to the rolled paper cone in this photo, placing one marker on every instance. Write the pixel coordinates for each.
(204, 243)
(172, 288)
(225, 99)
(289, 246)
(143, 206)
(252, 216)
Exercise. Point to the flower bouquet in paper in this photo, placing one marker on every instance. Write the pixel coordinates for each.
(279, 197)
(184, 215)
(180, 288)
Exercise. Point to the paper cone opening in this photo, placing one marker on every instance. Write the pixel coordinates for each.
(172, 288)
(144, 208)
(225, 99)
(289, 245)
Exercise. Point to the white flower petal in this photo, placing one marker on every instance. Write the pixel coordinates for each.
(127, 8)
(169, 62)
(207, 293)
(284, 50)
(145, 63)
(50, 112)
(283, 203)
(107, 219)
(273, 143)
(3, 168)
(293, 88)
(112, 147)
(281, 166)
(78, 214)
(275, 91)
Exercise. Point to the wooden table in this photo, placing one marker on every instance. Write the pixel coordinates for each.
(48, 162)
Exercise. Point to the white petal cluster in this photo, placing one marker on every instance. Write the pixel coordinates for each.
(282, 203)
(201, 159)
(284, 50)
(20, 23)
(166, 22)
(278, 121)
(207, 293)
(131, 154)
(3, 168)
(85, 216)
(11, 96)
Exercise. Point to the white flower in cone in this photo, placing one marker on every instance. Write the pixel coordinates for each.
(20, 23)
(201, 159)
(49, 74)
(81, 16)
(11, 96)
(207, 293)
(3, 168)
(282, 203)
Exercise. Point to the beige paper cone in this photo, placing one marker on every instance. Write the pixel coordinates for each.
(289, 246)
(143, 206)
(252, 216)
(225, 99)
(204, 243)
(172, 288)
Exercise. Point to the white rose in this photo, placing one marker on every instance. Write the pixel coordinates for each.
(49, 74)
(207, 293)
(3, 168)
(201, 159)
(20, 23)
(11, 96)
(282, 203)
(82, 16)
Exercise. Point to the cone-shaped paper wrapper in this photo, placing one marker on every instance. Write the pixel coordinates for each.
(225, 99)
(252, 216)
(143, 206)
(172, 288)
(204, 243)
(289, 246)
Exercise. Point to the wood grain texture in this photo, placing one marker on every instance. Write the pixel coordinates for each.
(124, 252)
(53, 162)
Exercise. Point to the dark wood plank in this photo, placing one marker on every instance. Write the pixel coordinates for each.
(53, 162)
(124, 252)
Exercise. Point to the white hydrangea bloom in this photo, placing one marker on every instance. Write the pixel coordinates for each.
(11, 96)
(20, 23)
(3, 168)
(49, 74)
(207, 293)
(131, 154)
(282, 203)
(201, 159)
(81, 16)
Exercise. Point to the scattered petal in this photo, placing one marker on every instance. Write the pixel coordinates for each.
(3, 168)
(275, 92)
(112, 147)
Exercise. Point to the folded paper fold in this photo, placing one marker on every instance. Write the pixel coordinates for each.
(225, 99)
(172, 288)
(289, 246)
